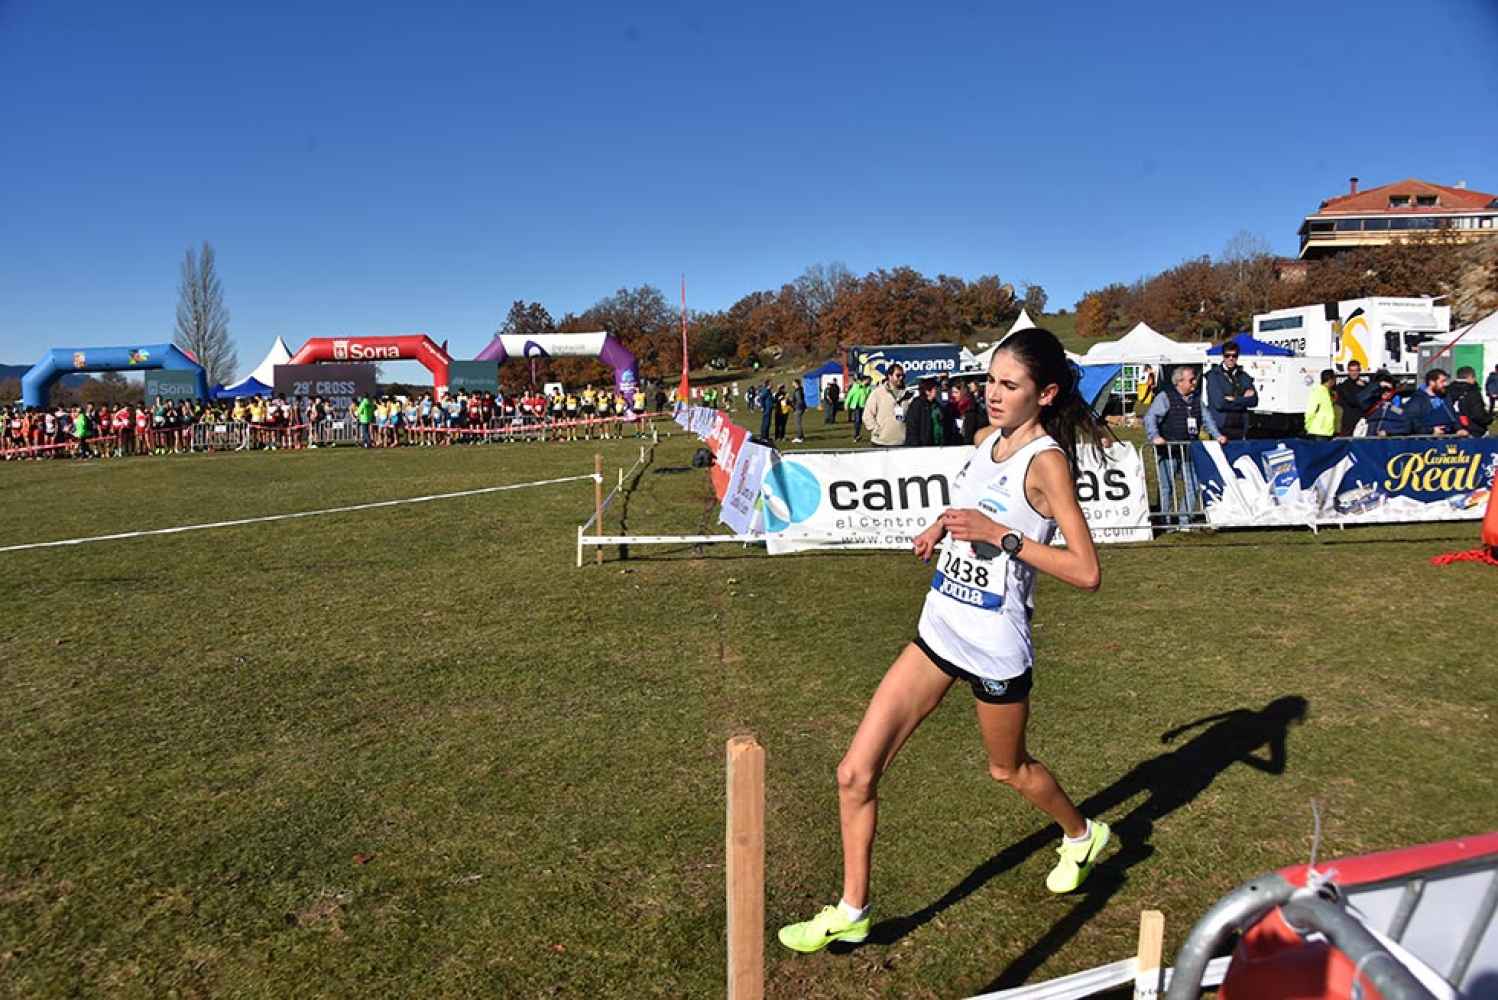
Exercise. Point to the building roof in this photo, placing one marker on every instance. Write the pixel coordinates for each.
(1376, 200)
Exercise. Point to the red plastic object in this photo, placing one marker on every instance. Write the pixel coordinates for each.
(1271, 962)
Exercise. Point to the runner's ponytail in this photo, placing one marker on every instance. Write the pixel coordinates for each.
(1067, 418)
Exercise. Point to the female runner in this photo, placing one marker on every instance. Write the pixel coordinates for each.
(1008, 500)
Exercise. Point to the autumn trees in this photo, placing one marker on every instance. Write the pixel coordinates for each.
(1209, 299)
(817, 315)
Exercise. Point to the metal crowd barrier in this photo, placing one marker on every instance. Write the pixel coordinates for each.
(222, 435)
(1176, 502)
(219, 436)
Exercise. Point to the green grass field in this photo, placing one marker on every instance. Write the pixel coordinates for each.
(411, 751)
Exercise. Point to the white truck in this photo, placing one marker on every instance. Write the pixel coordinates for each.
(1377, 333)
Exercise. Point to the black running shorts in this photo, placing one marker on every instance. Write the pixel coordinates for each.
(990, 692)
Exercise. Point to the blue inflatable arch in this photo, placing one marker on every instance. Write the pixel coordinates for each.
(69, 360)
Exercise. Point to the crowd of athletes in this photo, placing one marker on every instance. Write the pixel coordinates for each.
(163, 426)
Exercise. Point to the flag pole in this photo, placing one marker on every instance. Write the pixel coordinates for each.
(684, 389)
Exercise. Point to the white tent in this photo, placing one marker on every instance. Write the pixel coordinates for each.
(265, 372)
(1144, 346)
(1483, 331)
(981, 361)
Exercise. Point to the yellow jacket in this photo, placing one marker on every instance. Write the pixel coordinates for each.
(1321, 419)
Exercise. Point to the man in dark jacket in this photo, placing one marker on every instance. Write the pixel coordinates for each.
(1352, 397)
(924, 423)
(1427, 410)
(1230, 395)
(1386, 411)
(831, 397)
(1466, 401)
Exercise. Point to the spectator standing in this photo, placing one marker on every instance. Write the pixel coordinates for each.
(831, 394)
(858, 394)
(364, 411)
(1466, 402)
(1386, 416)
(1321, 418)
(798, 407)
(780, 407)
(1491, 388)
(1175, 418)
(923, 417)
(1230, 395)
(1427, 410)
(884, 411)
(1352, 398)
(766, 410)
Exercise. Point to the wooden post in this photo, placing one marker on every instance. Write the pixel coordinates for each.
(1147, 971)
(598, 504)
(745, 869)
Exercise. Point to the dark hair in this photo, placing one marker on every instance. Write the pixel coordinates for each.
(1465, 371)
(1328, 375)
(1434, 374)
(1067, 418)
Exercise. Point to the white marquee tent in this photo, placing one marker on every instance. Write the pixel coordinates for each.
(981, 361)
(265, 372)
(1145, 346)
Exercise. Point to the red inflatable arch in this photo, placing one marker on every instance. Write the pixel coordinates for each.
(400, 347)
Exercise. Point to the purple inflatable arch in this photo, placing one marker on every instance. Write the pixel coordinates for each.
(599, 345)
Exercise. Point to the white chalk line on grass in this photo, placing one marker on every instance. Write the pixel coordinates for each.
(305, 513)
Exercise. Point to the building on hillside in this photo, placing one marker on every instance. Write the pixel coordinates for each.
(1395, 212)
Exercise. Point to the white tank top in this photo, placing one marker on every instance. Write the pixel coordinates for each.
(977, 612)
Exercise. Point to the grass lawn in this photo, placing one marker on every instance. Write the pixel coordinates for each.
(411, 751)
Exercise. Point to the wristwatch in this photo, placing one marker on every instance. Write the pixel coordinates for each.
(1012, 542)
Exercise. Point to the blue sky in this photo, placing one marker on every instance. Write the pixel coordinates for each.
(380, 168)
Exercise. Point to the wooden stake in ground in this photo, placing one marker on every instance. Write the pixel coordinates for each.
(1151, 948)
(598, 504)
(745, 869)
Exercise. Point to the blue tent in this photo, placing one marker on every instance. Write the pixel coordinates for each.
(1095, 383)
(249, 387)
(811, 382)
(1248, 345)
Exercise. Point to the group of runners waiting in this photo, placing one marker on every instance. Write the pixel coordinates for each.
(98, 430)
(387, 422)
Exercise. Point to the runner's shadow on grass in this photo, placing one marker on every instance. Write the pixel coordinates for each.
(1167, 782)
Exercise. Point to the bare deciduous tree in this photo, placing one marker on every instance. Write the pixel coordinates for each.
(202, 317)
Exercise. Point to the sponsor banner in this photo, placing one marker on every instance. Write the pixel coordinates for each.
(1345, 481)
(742, 509)
(882, 499)
(473, 376)
(702, 420)
(339, 384)
(1111, 491)
(171, 385)
(724, 439)
(918, 360)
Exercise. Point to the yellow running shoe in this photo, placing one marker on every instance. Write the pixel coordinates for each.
(1077, 859)
(821, 930)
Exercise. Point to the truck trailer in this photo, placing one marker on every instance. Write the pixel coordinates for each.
(1378, 333)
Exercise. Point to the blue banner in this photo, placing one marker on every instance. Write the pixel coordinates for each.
(918, 360)
(1346, 480)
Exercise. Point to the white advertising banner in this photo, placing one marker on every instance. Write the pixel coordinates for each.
(742, 510)
(883, 498)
